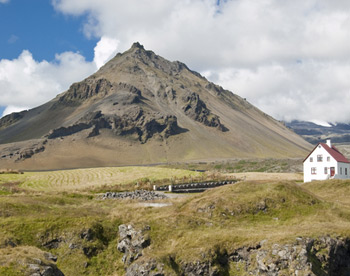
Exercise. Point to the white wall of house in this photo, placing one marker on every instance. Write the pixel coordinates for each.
(315, 164)
(343, 171)
(320, 164)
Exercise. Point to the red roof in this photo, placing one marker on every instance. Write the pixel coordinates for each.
(335, 153)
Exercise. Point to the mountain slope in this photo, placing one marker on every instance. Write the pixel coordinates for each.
(140, 108)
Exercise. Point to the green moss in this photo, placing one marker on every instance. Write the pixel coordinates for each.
(237, 269)
(10, 271)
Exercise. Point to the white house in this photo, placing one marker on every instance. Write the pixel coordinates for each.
(325, 162)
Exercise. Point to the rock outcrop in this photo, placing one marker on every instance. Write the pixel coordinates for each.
(37, 267)
(146, 267)
(28, 260)
(143, 125)
(306, 256)
(11, 118)
(137, 195)
(196, 109)
(26, 152)
(132, 242)
(89, 241)
(78, 92)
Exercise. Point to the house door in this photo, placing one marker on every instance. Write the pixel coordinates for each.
(332, 171)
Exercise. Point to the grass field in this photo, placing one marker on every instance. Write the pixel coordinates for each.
(37, 208)
(94, 178)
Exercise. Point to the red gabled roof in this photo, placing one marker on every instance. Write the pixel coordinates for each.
(333, 151)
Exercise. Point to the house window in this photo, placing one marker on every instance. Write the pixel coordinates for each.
(319, 158)
(311, 159)
(328, 159)
(346, 171)
(325, 170)
(341, 170)
(313, 170)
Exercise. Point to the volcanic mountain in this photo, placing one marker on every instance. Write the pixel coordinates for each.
(140, 108)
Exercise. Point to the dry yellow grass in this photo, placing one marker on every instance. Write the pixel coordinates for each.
(19, 254)
(83, 179)
(227, 217)
(248, 176)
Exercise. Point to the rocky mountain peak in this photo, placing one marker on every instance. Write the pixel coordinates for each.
(137, 45)
(139, 98)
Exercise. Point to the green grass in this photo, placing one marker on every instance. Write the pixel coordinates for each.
(10, 271)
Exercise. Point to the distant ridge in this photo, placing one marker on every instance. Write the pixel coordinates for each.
(315, 133)
(140, 108)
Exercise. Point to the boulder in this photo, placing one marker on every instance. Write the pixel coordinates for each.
(131, 243)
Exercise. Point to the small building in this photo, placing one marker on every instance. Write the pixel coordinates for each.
(326, 162)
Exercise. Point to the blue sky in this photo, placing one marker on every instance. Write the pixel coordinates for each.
(289, 58)
(35, 25)
(39, 28)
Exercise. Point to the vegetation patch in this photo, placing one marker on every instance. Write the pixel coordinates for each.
(244, 165)
(95, 178)
(81, 229)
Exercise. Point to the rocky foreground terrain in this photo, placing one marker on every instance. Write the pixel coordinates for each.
(140, 108)
(270, 227)
(305, 256)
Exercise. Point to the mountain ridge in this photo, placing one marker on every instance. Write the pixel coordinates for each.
(160, 110)
(315, 133)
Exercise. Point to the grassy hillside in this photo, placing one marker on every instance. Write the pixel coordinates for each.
(333, 190)
(194, 227)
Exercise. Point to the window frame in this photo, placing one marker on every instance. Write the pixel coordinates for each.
(313, 170)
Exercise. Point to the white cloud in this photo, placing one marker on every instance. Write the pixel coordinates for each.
(290, 58)
(4, 1)
(305, 91)
(10, 109)
(12, 39)
(243, 33)
(105, 49)
(25, 82)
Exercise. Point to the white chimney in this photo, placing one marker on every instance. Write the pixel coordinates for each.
(328, 142)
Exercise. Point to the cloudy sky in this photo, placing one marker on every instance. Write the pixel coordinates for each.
(290, 58)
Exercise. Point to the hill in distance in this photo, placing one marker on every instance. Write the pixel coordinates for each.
(314, 133)
(140, 108)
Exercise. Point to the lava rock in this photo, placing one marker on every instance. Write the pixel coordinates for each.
(143, 195)
(131, 243)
